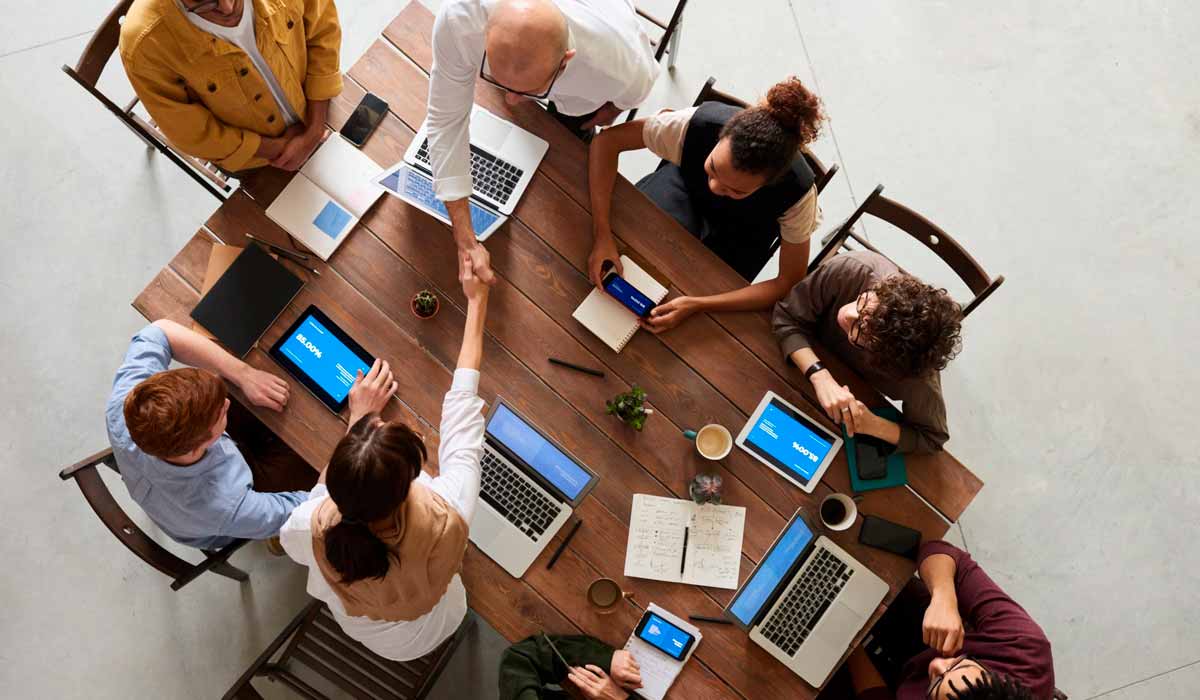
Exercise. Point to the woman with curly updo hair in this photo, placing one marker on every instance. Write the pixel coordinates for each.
(735, 178)
(892, 328)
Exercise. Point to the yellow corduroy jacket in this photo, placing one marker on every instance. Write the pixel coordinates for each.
(204, 92)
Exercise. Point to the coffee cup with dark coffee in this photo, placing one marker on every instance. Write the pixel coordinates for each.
(838, 512)
(604, 594)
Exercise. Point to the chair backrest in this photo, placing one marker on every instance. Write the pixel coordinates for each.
(925, 232)
(709, 93)
(102, 45)
(90, 483)
(669, 27)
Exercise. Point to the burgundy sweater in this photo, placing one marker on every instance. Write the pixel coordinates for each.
(1000, 635)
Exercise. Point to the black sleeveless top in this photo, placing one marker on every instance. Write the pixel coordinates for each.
(742, 232)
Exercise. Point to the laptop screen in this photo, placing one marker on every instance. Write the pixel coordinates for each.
(539, 453)
(789, 440)
(766, 578)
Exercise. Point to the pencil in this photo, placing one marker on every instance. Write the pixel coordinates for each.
(683, 559)
(563, 545)
(577, 368)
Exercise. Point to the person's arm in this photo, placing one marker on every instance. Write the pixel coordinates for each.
(191, 348)
(462, 410)
(530, 664)
(260, 515)
(305, 139)
(942, 628)
(603, 156)
(323, 41)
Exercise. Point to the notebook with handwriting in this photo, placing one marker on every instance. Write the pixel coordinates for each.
(607, 318)
(657, 541)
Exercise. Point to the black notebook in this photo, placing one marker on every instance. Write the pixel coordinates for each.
(246, 299)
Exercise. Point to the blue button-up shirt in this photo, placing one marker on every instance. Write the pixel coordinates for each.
(206, 504)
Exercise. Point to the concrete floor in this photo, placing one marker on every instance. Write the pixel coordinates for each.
(1060, 142)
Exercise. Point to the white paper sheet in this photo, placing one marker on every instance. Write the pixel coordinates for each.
(656, 541)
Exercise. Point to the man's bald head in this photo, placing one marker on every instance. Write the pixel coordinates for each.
(526, 42)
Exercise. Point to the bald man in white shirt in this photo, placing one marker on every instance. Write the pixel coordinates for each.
(590, 58)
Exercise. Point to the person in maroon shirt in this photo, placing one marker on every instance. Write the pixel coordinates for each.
(979, 644)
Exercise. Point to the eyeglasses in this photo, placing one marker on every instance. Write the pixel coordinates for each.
(855, 333)
(937, 682)
(483, 73)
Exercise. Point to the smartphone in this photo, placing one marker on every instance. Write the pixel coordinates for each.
(890, 537)
(870, 457)
(664, 636)
(370, 111)
(621, 290)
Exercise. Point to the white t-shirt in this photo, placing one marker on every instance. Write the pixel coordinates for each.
(242, 36)
(458, 483)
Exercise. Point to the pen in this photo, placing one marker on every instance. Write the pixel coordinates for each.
(714, 620)
(563, 545)
(577, 368)
(290, 254)
(683, 559)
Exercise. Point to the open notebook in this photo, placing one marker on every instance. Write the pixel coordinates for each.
(323, 202)
(662, 529)
(607, 318)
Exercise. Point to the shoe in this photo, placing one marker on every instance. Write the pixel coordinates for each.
(274, 546)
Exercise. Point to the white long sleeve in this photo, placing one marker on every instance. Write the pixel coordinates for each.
(462, 445)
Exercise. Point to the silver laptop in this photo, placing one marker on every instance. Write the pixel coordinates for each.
(806, 600)
(530, 486)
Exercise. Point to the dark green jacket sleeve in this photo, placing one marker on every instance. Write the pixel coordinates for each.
(528, 666)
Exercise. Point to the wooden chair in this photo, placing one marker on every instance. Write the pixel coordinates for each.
(319, 645)
(668, 43)
(87, 478)
(924, 231)
(87, 73)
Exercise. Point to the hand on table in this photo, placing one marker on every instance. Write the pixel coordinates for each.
(942, 628)
(474, 288)
(625, 670)
(670, 314)
(604, 116)
(263, 388)
(298, 148)
(595, 684)
(371, 393)
(604, 249)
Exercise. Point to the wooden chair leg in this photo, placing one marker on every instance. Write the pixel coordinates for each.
(229, 570)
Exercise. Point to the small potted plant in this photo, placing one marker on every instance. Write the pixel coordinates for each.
(630, 407)
(706, 488)
(425, 304)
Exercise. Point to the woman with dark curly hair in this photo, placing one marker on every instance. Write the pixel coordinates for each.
(735, 178)
(890, 327)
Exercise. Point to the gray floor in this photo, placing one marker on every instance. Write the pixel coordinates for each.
(1059, 141)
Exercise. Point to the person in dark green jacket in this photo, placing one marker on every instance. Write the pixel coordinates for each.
(530, 670)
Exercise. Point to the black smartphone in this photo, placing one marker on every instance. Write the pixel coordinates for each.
(370, 111)
(664, 636)
(620, 289)
(890, 537)
(870, 457)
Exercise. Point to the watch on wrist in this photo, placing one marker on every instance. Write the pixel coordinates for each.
(813, 369)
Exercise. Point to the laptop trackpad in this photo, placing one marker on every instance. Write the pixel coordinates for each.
(489, 132)
(839, 625)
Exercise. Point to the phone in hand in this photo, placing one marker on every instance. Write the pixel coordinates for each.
(890, 537)
(367, 115)
(620, 289)
(870, 457)
(664, 636)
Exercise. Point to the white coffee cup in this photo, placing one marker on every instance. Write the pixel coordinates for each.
(850, 511)
(713, 441)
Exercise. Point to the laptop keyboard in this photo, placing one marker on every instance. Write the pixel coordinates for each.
(513, 497)
(490, 177)
(806, 602)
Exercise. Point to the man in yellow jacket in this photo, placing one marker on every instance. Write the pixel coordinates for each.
(241, 83)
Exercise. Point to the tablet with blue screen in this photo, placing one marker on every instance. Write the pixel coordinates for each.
(782, 437)
(319, 354)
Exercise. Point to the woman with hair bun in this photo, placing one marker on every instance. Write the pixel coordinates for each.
(735, 178)
(383, 540)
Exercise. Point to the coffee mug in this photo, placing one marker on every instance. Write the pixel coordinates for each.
(838, 512)
(713, 441)
(604, 594)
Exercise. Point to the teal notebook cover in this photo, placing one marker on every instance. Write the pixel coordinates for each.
(897, 475)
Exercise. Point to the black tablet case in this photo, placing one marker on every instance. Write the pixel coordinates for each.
(247, 299)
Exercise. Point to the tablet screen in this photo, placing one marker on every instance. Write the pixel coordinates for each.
(789, 440)
(326, 362)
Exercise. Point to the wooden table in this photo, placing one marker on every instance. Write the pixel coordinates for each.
(712, 368)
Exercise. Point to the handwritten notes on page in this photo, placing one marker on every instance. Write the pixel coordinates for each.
(713, 540)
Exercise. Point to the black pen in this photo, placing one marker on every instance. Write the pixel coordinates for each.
(577, 368)
(683, 559)
(714, 620)
(566, 540)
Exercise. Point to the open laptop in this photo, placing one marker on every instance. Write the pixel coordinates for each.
(530, 486)
(806, 600)
(503, 159)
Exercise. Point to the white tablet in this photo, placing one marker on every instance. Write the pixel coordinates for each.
(783, 438)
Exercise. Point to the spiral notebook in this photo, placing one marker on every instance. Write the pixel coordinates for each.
(659, 671)
(607, 318)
